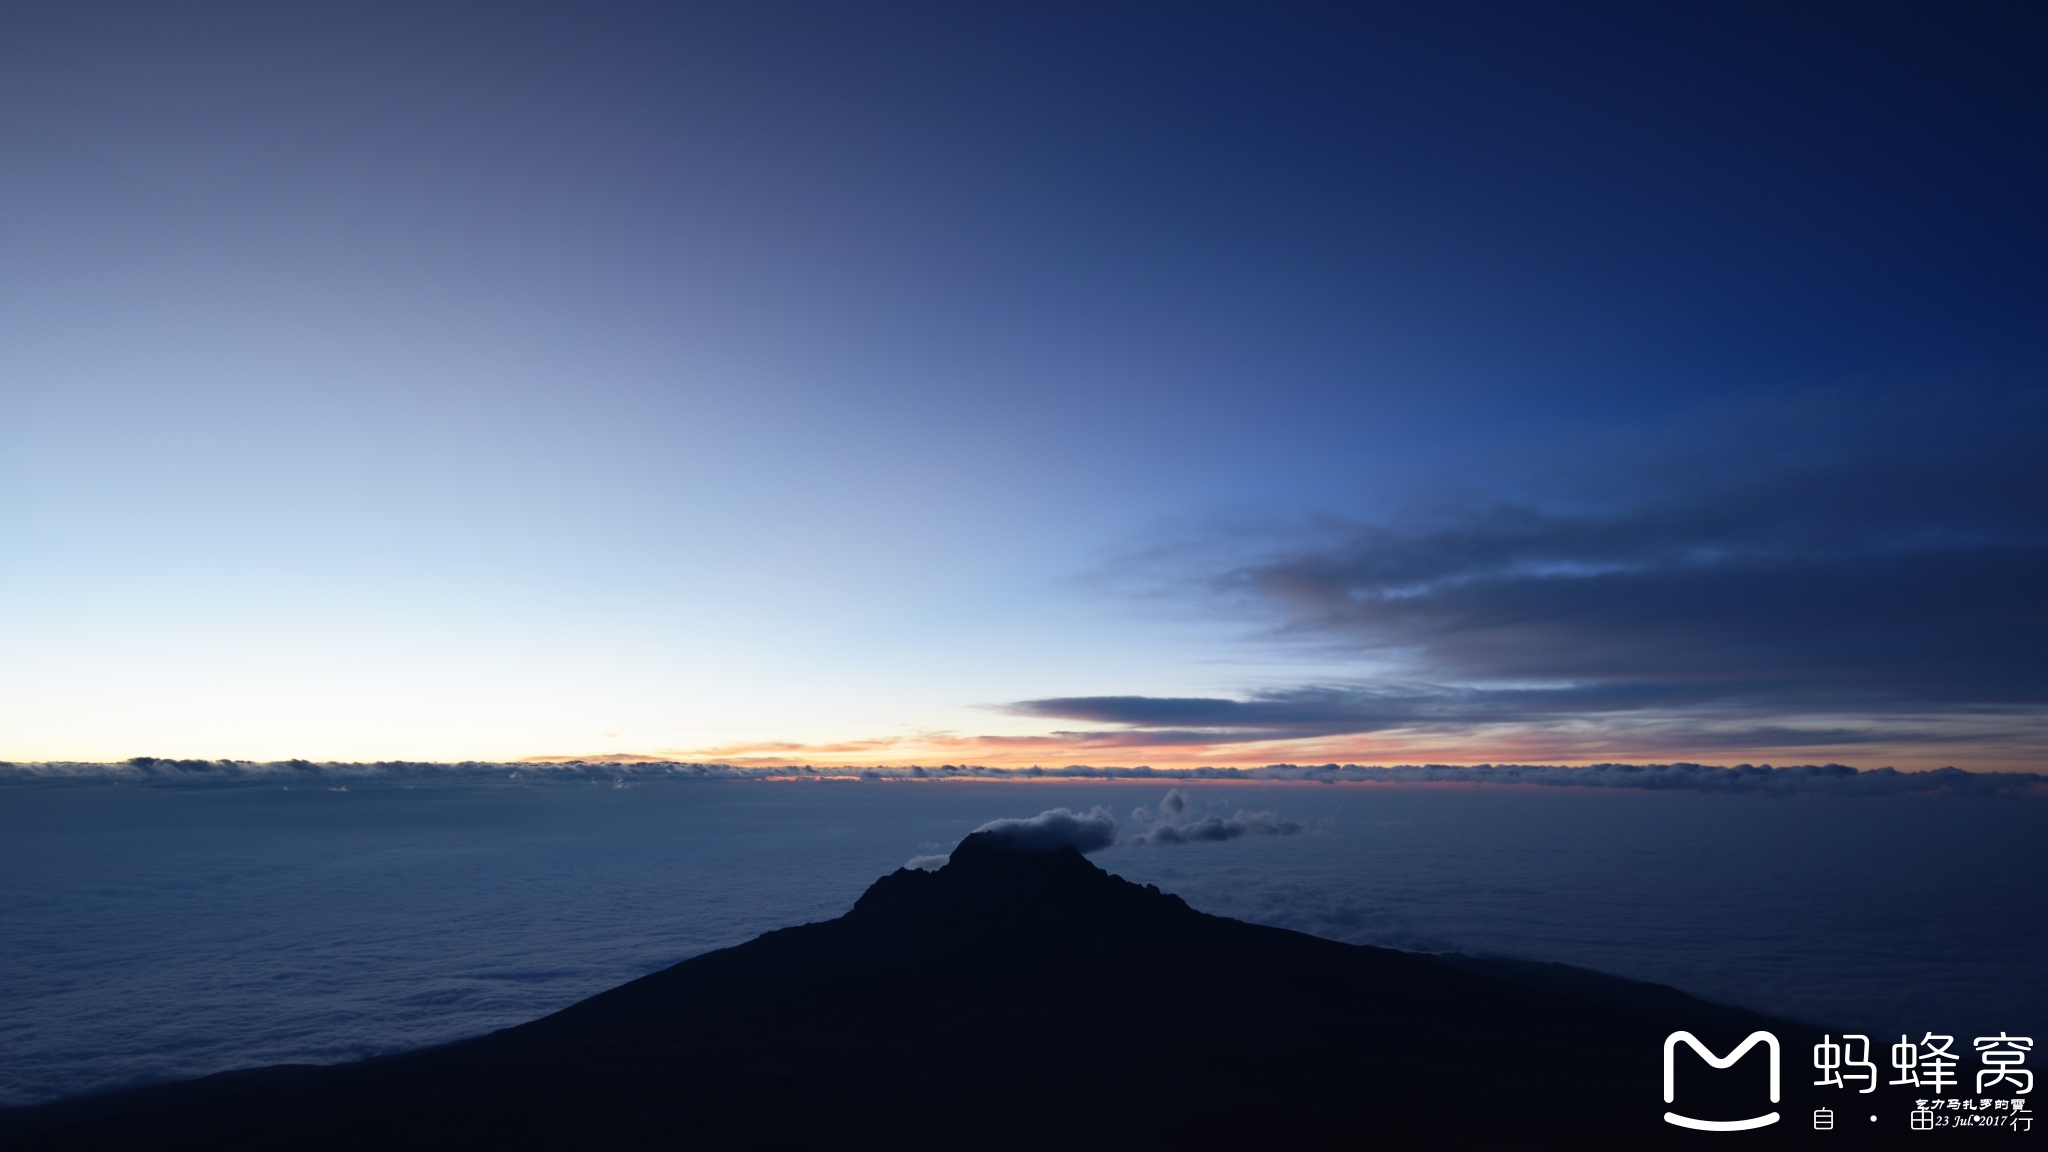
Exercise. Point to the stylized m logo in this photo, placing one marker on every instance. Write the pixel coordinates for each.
(1713, 1061)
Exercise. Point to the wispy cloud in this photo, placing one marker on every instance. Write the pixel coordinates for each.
(1176, 823)
(1089, 831)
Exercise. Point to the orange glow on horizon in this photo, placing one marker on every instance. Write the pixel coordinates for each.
(1138, 749)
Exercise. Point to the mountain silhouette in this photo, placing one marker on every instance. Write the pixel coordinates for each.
(1013, 999)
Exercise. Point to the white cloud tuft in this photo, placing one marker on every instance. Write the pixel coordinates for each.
(1172, 826)
(1057, 828)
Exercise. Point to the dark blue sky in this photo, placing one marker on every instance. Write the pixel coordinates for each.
(1102, 383)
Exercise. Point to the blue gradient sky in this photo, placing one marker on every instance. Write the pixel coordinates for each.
(1107, 384)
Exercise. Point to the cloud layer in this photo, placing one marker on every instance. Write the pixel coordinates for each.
(201, 955)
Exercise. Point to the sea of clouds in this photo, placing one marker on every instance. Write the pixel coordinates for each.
(167, 919)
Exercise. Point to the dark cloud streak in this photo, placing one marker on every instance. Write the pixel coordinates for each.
(1860, 589)
(1860, 580)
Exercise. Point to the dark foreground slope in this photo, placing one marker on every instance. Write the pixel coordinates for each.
(1013, 999)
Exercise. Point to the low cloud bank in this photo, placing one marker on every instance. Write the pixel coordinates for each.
(1833, 779)
(1172, 824)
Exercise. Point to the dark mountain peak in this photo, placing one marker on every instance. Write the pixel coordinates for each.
(990, 874)
(994, 850)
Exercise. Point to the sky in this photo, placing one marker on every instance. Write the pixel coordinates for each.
(1031, 384)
